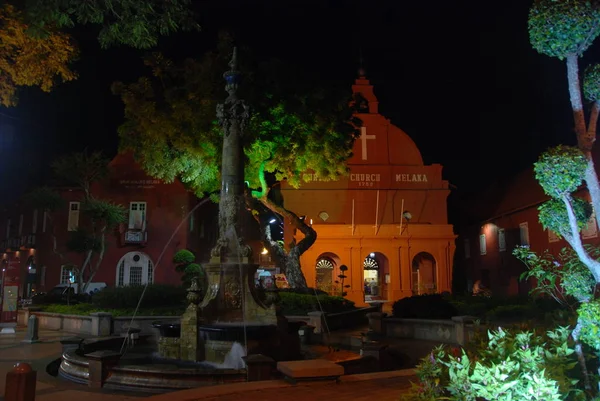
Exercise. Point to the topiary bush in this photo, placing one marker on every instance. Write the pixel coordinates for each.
(430, 306)
(156, 296)
(300, 304)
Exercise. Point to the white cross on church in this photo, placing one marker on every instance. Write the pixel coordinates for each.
(364, 137)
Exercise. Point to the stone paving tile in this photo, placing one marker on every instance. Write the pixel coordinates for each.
(75, 395)
(378, 389)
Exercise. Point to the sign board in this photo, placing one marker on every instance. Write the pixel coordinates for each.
(10, 290)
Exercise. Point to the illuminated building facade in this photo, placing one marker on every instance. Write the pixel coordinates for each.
(386, 220)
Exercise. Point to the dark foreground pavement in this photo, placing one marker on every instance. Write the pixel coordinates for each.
(379, 386)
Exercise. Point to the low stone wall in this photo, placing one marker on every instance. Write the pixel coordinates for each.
(57, 321)
(324, 322)
(95, 324)
(457, 330)
(104, 324)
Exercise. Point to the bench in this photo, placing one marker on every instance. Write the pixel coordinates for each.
(312, 369)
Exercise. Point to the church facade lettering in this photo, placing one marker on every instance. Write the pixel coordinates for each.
(365, 180)
(411, 178)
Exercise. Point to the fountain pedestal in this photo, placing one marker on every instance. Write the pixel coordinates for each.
(232, 297)
(191, 345)
(232, 311)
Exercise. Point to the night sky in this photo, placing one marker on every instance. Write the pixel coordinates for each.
(459, 77)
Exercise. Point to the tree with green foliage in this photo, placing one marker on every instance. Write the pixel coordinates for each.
(101, 217)
(295, 126)
(36, 50)
(565, 29)
(185, 263)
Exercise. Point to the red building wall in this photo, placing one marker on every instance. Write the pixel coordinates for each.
(167, 228)
(498, 269)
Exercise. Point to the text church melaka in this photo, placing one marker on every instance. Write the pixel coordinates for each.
(386, 220)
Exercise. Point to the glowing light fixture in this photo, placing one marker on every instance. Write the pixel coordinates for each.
(372, 255)
(407, 215)
(264, 251)
(272, 221)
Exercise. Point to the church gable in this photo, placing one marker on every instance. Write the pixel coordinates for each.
(379, 142)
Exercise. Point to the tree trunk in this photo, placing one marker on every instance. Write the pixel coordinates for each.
(583, 142)
(574, 239)
(288, 261)
(293, 268)
(98, 260)
(88, 260)
(581, 357)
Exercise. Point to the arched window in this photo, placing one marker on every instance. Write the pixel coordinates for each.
(324, 276)
(135, 268)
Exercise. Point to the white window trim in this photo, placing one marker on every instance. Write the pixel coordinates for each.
(524, 233)
(482, 244)
(130, 224)
(62, 272)
(501, 240)
(148, 271)
(73, 218)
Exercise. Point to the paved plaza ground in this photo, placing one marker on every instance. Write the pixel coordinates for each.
(380, 386)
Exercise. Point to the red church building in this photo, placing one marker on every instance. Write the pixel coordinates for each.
(386, 221)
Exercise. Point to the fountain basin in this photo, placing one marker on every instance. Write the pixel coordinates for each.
(141, 369)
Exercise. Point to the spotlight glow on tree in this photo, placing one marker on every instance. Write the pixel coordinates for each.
(295, 126)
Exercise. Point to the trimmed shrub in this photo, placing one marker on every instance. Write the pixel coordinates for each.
(307, 291)
(300, 304)
(84, 309)
(156, 296)
(431, 306)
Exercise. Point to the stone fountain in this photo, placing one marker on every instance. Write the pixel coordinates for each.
(220, 327)
(231, 311)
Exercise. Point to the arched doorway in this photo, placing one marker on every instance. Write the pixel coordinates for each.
(424, 274)
(325, 271)
(135, 268)
(376, 276)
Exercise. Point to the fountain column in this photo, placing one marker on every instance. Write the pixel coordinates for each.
(231, 296)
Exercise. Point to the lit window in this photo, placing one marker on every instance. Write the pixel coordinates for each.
(501, 240)
(73, 222)
(482, 245)
(524, 233)
(67, 275)
(135, 268)
(137, 215)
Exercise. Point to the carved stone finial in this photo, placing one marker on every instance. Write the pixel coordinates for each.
(233, 62)
(232, 77)
(194, 292)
